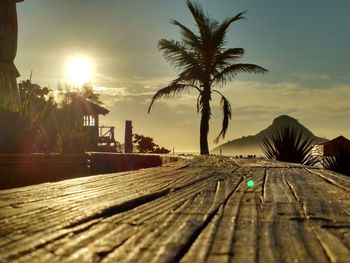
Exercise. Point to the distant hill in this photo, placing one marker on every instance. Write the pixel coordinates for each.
(250, 145)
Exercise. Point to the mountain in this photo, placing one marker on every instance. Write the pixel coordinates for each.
(250, 145)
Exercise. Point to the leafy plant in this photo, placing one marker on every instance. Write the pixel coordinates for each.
(340, 161)
(36, 104)
(72, 141)
(289, 145)
(161, 150)
(146, 144)
(71, 136)
(204, 62)
(89, 93)
(19, 129)
(67, 93)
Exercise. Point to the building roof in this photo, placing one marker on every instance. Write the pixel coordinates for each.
(330, 148)
(338, 140)
(90, 108)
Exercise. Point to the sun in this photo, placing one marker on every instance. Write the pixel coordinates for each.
(79, 70)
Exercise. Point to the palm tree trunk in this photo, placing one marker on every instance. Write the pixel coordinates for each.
(204, 126)
(203, 138)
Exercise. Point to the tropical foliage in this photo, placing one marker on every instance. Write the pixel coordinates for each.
(37, 107)
(67, 94)
(340, 161)
(72, 140)
(146, 144)
(204, 63)
(289, 145)
(20, 131)
(46, 123)
(36, 103)
(89, 93)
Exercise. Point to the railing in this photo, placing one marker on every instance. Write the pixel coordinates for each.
(106, 140)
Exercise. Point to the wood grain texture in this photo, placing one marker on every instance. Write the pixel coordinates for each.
(198, 210)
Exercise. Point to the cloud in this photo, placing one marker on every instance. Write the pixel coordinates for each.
(137, 80)
(312, 76)
(174, 122)
(324, 110)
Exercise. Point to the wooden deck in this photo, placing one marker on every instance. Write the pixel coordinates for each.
(197, 210)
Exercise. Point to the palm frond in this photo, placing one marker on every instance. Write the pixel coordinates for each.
(170, 90)
(191, 75)
(205, 24)
(226, 116)
(223, 59)
(176, 53)
(188, 36)
(178, 56)
(229, 72)
(202, 20)
(220, 32)
(289, 145)
(199, 103)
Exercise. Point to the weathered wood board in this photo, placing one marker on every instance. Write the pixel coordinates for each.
(197, 210)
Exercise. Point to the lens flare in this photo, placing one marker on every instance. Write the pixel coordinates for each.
(79, 70)
(250, 183)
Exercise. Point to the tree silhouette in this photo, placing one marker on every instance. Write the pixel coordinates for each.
(35, 98)
(203, 62)
(89, 93)
(146, 144)
(38, 106)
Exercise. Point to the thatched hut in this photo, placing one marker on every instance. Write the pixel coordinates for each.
(9, 94)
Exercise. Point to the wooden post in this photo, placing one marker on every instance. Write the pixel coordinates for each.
(128, 137)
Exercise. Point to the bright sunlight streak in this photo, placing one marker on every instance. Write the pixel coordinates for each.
(79, 70)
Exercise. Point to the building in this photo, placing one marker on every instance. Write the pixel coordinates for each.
(330, 147)
(101, 137)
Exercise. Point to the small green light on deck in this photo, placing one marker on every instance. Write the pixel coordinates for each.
(250, 183)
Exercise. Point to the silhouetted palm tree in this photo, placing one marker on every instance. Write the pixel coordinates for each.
(203, 62)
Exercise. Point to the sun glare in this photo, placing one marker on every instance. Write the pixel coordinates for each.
(79, 70)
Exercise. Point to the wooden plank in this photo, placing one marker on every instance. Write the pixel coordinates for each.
(286, 234)
(199, 210)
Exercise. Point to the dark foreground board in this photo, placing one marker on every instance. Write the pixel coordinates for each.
(190, 211)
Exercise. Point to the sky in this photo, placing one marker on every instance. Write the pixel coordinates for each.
(303, 44)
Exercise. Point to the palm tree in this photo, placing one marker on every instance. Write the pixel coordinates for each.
(204, 63)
